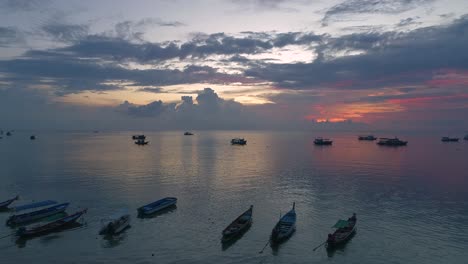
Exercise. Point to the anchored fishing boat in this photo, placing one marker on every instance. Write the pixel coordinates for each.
(394, 142)
(238, 226)
(138, 137)
(343, 232)
(449, 139)
(54, 226)
(36, 215)
(157, 206)
(368, 137)
(115, 224)
(238, 141)
(322, 141)
(188, 133)
(4, 205)
(285, 226)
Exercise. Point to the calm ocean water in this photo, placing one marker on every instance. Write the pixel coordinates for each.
(411, 202)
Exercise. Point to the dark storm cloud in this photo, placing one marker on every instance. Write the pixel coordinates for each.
(389, 58)
(151, 90)
(10, 36)
(371, 7)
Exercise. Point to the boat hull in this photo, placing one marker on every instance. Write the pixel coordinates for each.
(55, 226)
(36, 215)
(238, 227)
(116, 226)
(157, 206)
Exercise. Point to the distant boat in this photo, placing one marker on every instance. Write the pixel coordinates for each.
(449, 139)
(32, 137)
(54, 226)
(343, 232)
(391, 142)
(135, 137)
(322, 141)
(285, 227)
(115, 224)
(36, 215)
(4, 205)
(368, 137)
(188, 133)
(141, 142)
(157, 206)
(8, 133)
(238, 141)
(238, 226)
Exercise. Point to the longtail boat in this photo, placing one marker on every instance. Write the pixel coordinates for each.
(4, 205)
(33, 205)
(238, 226)
(343, 232)
(157, 206)
(54, 226)
(285, 227)
(36, 215)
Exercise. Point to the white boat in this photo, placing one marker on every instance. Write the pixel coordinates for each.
(115, 224)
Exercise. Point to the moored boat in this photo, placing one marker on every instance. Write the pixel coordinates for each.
(4, 205)
(391, 142)
(343, 232)
(157, 206)
(33, 205)
(137, 137)
(36, 215)
(449, 139)
(187, 133)
(238, 141)
(33, 137)
(54, 226)
(285, 227)
(322, 141)
(115, 224)
(367, 137)
(238, 226)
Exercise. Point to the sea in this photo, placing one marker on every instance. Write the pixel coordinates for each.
(411, 202)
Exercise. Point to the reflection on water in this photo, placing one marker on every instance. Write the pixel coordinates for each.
(340, 247)
(50, 237)
(110, 241)
(412, 202)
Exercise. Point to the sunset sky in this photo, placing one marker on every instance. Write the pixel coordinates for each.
(234, 64)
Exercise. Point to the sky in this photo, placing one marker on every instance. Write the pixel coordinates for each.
(234, 64)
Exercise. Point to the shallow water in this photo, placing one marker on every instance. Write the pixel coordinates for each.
(411, 202)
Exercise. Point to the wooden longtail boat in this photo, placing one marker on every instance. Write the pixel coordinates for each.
(36, 215)
(285, 227)
(343, 232)
(238, 226)
(54, 226)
